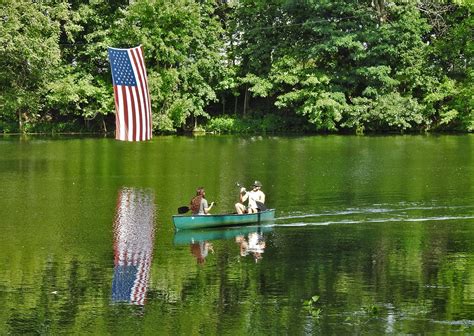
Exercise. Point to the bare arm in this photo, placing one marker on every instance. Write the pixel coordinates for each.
(243, 195)
(206, 210)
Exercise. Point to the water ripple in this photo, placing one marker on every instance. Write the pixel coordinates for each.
(377, 220)
(357, 211)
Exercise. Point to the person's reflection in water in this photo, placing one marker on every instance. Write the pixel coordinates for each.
(255, 245)
(200, 250)
(134, 234)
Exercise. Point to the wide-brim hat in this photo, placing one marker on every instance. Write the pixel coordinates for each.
(257, 184)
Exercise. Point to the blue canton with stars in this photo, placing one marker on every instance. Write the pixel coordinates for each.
(122, 71)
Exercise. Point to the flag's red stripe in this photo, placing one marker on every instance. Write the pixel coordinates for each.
(125, 111)
(143, 79)
(137, 60)
(142, 126)
(148, 100)
(139, 92)
(140, 287)
(131, 91)
(117, 114)
(146, 93)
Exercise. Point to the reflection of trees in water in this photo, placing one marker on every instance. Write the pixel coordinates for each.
(356, 268)
(63, 297)
(133, 245)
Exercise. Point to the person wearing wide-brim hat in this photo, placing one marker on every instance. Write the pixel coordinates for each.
(254, 197)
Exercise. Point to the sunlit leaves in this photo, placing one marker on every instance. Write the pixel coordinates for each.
(385, 112)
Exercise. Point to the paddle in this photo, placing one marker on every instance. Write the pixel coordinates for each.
(261, 206)
(183, 210)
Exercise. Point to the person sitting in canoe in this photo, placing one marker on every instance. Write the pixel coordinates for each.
(254, 197)
(199, 205)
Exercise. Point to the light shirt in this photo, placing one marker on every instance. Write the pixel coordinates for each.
(203, 206)
(255, 196)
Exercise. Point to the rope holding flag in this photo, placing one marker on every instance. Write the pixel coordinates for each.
(132, 97)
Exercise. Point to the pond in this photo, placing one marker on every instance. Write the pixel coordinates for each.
(372, 235)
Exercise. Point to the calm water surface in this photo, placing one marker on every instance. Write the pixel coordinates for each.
(379, 230)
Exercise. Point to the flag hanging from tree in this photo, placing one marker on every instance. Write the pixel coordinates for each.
(132, 98)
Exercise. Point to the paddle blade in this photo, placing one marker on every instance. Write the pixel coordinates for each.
(261, 206)
(183, 210)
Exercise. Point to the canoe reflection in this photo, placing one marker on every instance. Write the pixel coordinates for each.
(133, 245)
(250, 240)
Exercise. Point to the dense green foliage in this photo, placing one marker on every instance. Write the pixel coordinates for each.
(267, 65)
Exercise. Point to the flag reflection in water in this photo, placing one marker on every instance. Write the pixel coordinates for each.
(133, 244)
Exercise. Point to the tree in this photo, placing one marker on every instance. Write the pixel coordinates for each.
(182, 43)
(82, 87)
(29, 54)
(450, 102)
(355, 65)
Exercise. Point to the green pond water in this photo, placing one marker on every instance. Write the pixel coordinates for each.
(379, 230)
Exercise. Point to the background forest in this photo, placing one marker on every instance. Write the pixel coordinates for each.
(242, 66)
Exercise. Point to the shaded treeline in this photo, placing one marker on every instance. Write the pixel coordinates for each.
(237, 66)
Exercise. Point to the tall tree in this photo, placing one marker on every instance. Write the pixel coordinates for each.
(347, 64)
(450, 103)
(182, 42)
(82, 88)
(29, 54)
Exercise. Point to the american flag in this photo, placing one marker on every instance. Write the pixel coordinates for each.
(132, 97)
(134, 236)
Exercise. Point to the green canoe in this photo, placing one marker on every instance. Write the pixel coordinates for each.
(182, 222)
(182, 237)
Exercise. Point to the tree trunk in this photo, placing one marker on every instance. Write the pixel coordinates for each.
(236, 101)
(246, 98)
(223, 104)
(20, 121)
(380, 9)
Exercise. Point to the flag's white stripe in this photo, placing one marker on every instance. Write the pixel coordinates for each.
(144, 86)
(139, 112)
(121, 114)
(142, 98)
(146, 109)
(148, 99)
(141, 82)
(117, 117)
(132, 56)
(139, 288)
(129, 114)
(137, 127)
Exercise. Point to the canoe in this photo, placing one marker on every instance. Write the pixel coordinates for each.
(182, 222)
(183, 237)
